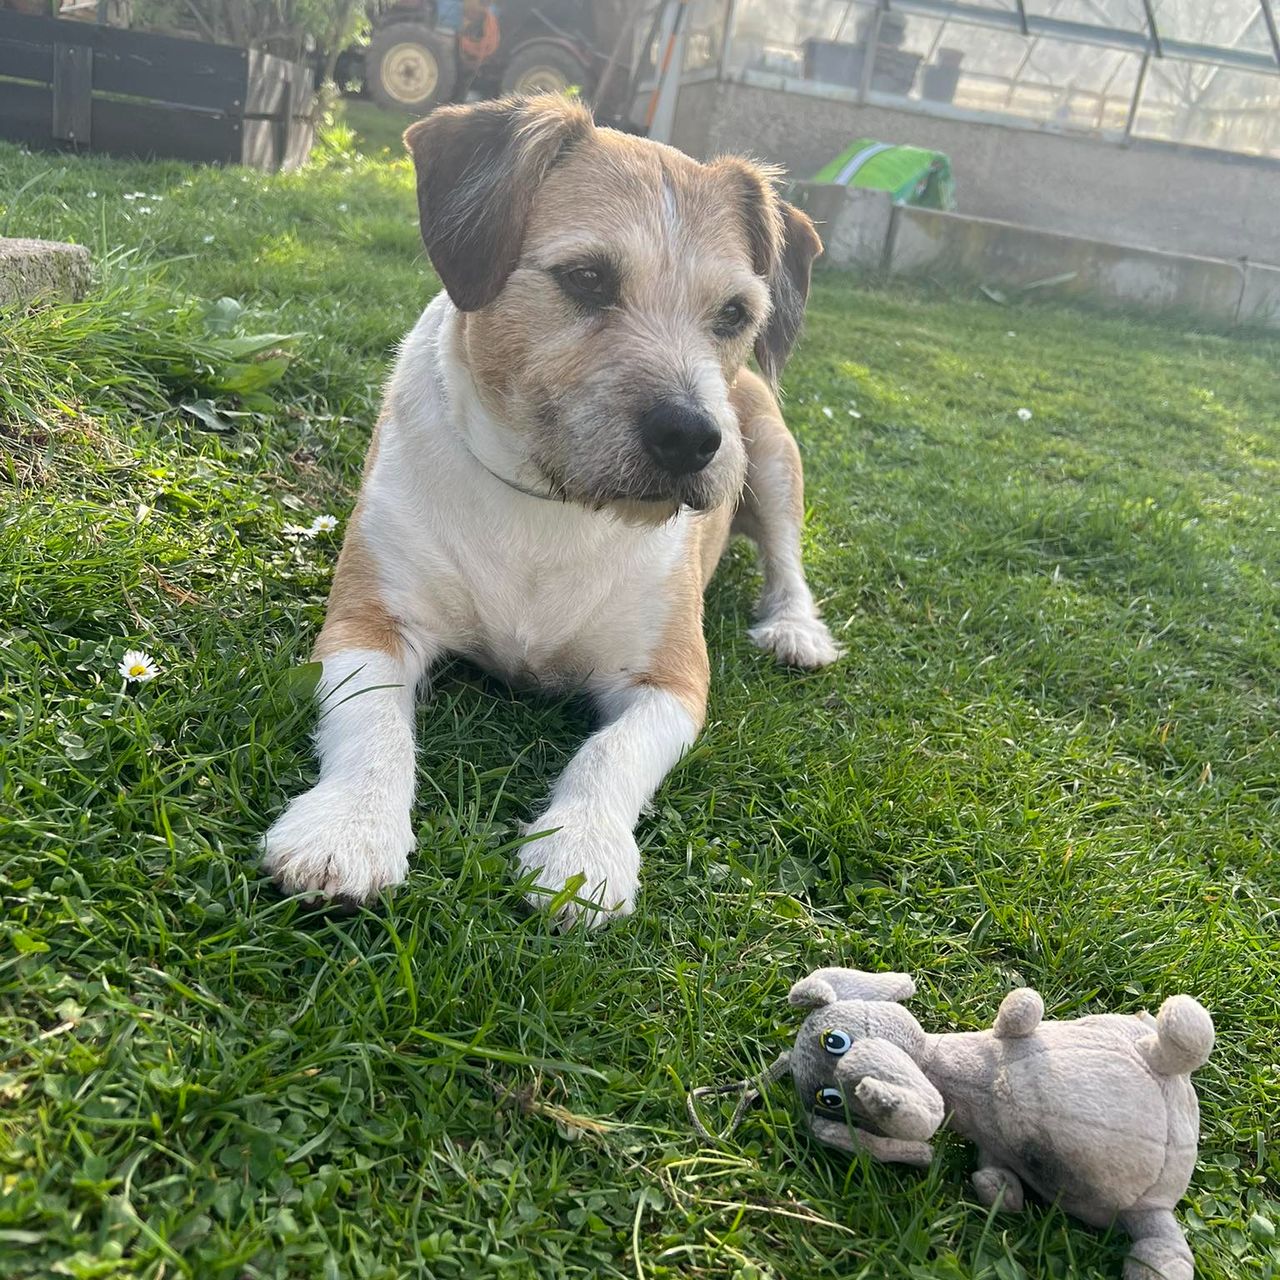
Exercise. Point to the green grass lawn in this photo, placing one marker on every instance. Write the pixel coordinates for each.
(1051, 757)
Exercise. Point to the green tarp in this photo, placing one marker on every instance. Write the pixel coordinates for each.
(911, 175)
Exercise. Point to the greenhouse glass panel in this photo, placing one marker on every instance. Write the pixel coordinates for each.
(1002, 73)
(1232, 24)
(705, 21)
(820, 40)
(1124, 15)
(1207, 106)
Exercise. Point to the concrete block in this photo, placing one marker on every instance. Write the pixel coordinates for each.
(999, 253)
(42, 269)
(1260, 301)
(853, 223)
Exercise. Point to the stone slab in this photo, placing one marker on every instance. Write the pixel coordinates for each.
(1260, 301)
(853, 223)
(1002, 254)
(44, 269)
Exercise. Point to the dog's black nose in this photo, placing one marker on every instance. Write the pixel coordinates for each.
(678, 437)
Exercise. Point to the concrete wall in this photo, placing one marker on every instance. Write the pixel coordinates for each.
(1141, 194)
(865, 229)
(925, 240)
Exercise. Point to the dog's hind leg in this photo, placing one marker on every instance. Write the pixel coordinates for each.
(771, 514)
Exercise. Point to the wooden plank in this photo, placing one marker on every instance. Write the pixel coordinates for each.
(29, 28)
(26, 114)
(268, 84)
(140, 63)
(72, 93)
(260, 145)
(25, 56)
(301, 131)
(142, 129)
(121, 128)
(192, 74)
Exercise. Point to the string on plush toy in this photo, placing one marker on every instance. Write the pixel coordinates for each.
(752, 1088)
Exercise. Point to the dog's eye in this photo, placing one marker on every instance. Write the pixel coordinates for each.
(595, 286)
(730, 319)
(829, 1099)
(836, 1043)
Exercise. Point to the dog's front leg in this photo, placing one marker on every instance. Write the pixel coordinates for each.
(350, 835)
(597, 800)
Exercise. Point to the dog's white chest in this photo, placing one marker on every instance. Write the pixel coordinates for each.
(540, 593)
(554, 611)
(532, 622)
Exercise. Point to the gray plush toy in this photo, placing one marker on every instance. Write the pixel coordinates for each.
(1097, 1114)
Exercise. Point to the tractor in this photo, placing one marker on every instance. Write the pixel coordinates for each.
(422, 53)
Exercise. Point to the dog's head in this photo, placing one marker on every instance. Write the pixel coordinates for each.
(612, 288)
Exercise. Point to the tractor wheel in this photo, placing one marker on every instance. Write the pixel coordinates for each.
(410, 67)
(545, 68)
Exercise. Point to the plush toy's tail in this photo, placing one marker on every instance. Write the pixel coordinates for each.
(1183, 1038)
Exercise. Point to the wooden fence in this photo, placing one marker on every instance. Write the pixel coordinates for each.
(66, 84)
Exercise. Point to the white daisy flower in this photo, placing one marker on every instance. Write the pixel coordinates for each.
(138, 667)
(323, 524)
(1024, 415)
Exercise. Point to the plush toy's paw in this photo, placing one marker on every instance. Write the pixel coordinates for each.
(1158, 1260)
(994, 1184)
(894, 1150)
(335, 844)
(799, 640)
(887, 1150)
(1019, 1015)
(602, 852)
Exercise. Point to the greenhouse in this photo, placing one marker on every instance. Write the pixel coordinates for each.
(1152, 124)
(1177, 71)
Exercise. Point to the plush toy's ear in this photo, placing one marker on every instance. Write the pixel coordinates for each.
(811, 991)
(826, 986)
(478, 169)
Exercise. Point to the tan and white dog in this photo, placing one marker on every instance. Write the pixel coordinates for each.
(567, 441)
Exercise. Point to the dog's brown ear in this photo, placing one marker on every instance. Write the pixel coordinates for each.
(478, 169)
(789, 290)
(783, 245)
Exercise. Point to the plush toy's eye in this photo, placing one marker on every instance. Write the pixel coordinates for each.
(830, 1099)
(836, 1042)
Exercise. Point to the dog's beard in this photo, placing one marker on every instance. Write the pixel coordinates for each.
(625, 480)
(653, 498)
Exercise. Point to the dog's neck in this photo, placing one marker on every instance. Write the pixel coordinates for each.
(493, 446)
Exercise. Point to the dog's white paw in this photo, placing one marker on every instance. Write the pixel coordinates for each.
(338, 843)
(603, 852)
(796, 640)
